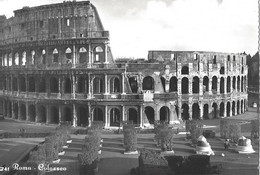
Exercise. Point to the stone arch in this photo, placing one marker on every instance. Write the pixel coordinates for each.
(214, 84)
(195, 85)
(184, 85)
(164, 114)
(205, 111)
(98, 114)
(22, 112)
(98, 54)
(228, 84)
(42, 85)
(214, 110)
(83, 116)
(68, 54)
(115, 117)
(173, 84)
(15, 111)
(195, 111)
(222, 70)
(32, 113)
(67, 88)
(83, 56)
(238, 83)
(163, 83)
(81, 85)
(42, 114)
(54, 85)
(222, 85)
(16, 58)
(233, 108)
(55, 56)
(22, 84)
(242, 84)
(15, 86)
(148, 83)
(10, 59)
(132, 115)
(53, 118)
(67, 114)
(242, 106)
(185, 70)
(185, 112)
(149, 112)
(238, 107)
(31, 84)
(205, 84)
(9, 110)
(228, 109)
(221, 109)
(234, 83)
(115, 85)
(33, 56)
(97, 85)
(43, 56)
(133, 84)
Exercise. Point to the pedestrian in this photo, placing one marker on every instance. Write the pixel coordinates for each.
(226, 144)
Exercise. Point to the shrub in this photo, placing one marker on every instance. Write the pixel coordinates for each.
(255, 129)
(151, 157)
(157, 128)
(197, 164)
(130, 138)
(51, 149)
(175, 163)
(166, 137)
(195, 130)
(224, 128)
(209, 134)
(234, 132)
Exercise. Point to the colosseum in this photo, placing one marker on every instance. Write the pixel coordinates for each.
(57, 65)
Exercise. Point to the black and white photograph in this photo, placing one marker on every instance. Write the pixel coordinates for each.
(129, 87)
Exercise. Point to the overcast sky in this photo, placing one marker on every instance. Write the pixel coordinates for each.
(137, 26)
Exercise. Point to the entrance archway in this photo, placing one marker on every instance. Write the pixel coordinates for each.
(149, 112)
(15, 111)
(82, 117)
(148, 83)
(98, 115)
(233, 108)
(205, 84)
(214, 84)
(22, 112)
(67, 115)
(32, 113)
(238, 107)
(132, 115)
(173, 84)
(185, 85)
(206, 111)
(195, 111)
(214, 110)
(195, 85)
(228, 109)
(185, 112)
(42, 114)
(133, 84)
(115, 117)
(164, 114)
(221, 111)
(54, 115)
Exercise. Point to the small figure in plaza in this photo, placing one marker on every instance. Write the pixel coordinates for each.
(227, 144)
(203, 146)
(244, 146)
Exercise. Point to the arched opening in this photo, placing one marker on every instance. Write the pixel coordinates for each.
(234, 83)
(149, 112)
(222, 70)
(43, 57)
(22, 84)
(54, 85)
(133, 84)
(221, 111)
(242, 84)
(98, 85)
(195, 85)
(33, 57)
(16, 59)
(148, 83)
(81, 85)
(83, 117)
(98, 54)
(222, 86)
(214, 110)
(42, 85)
(114, 85)
(82, 55)
(238, 83)
(185, 70)
(206, 111)
(228, 84)
(15, 87)
(22, 112)
(32, 113)
(195, 111)
(205, 84)
(164, 114)
(42, 114)
(67, 88)
(233, 108)
(98, 115)
(214, 85)
(67, 114)
(228, 109)
(55, 56)
(242, 107)
(10, 110)
(10, 59)
(185, 85)
(163, 83)
(132, 115)
(31, 84)
(185, 112)
(238, 107)
(173, 84)
(114, 117)
(54, 115)
(68, 55)
(15, 111)
(242, 70)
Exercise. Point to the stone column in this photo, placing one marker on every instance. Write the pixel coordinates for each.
(90, 115)
(190, 85)
(74, 85)
(74, 115)
(13, 113)
(210, 86)
(225, 85)
(141, 116)
(26, 85)
(74, 56)
(218, 85)
(11, 85)
(235, 108)
(89, 86)
(106, 117)
(36, 113)
(190, 111)
(106, 89)
(61, 85)
(225, 109)
(123, 83)
(201, 86)
(123, 113)
(47, 114)
(105, 53)
(89, 56)
(179, 85)
(60, 114)
(27, 112)
(157, 113)
(201, 111)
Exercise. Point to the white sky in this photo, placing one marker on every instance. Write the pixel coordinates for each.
(137, 26)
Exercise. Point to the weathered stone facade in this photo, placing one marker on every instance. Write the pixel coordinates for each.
(57, 66)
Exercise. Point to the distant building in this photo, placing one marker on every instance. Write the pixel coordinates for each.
(57, 66)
